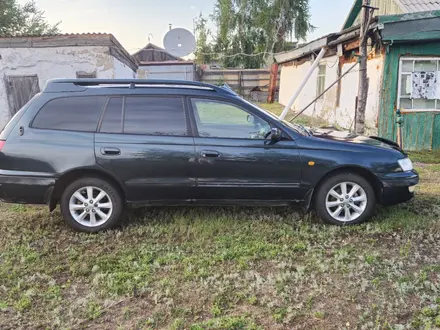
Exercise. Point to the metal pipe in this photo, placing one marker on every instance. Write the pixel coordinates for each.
(325, 91)
(304, 82)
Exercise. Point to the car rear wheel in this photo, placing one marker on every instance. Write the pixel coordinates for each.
(345, 199)
(91, 205)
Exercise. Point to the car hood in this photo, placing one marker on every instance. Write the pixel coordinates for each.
(347, 137)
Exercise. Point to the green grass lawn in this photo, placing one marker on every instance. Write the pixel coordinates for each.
(225, 268)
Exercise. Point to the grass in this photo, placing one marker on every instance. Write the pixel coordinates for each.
(431, 157)
(225, 268)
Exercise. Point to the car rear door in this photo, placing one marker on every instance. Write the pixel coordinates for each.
(144, 141)
(236, 160)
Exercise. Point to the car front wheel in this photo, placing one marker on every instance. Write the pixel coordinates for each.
(345, 199)
(91, 205)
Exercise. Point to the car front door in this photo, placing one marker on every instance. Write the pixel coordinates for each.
(236, 160)
(144, 141)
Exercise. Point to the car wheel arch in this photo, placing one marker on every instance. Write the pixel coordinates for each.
(68, 177)
(363, 172)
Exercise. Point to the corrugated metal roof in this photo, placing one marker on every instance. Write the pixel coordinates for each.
(411, 6)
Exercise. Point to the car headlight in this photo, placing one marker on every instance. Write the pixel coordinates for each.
(406, 164)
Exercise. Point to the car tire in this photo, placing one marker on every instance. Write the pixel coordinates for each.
(105, 211)
(354, 207)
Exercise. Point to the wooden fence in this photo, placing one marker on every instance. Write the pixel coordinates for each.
(252, 84)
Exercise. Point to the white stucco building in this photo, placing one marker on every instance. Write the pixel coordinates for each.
(337, 106)
(26, 63)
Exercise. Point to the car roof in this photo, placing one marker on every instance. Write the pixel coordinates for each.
(136, 86)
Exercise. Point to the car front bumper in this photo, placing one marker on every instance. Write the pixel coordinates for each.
(398, 187)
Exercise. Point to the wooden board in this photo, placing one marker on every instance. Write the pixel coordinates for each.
(20, 89)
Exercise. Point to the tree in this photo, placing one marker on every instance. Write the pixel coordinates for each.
(260, 27)
(27, 19)
(204, 50)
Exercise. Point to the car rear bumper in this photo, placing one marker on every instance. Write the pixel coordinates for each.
(25, 187)
(398, 187)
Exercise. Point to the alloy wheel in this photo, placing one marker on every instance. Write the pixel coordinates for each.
(346, 201)
(90, 206)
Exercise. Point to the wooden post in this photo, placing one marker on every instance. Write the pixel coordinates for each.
(272, 83)
(363, 77)
(240, 83)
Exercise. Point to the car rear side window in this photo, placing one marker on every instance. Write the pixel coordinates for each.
(71, 113)
(112, 120)
(155, 116)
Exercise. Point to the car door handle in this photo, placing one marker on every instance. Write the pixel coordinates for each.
(210, 154)
(110, 151)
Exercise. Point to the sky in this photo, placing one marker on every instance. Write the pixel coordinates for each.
(132, 21)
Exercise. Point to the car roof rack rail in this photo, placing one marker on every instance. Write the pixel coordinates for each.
(79, 85)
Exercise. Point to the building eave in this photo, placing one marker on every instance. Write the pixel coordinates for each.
(412, 27)
(72, 40)
(354, 12)
(304, 50)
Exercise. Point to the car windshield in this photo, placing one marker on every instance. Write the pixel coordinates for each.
(300, 129)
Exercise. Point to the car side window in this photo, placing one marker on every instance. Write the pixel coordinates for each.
(155, 115)
(71, 113)
(225, 120)
(112, 119)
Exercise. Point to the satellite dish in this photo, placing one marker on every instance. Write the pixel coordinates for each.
(179, 42)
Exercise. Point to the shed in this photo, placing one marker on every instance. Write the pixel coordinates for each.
(156, 63)
(27, 62)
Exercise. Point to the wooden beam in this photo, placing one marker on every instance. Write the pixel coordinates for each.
(273, 83)
(352, 45)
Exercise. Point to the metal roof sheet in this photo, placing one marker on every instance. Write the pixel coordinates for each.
(411, 6)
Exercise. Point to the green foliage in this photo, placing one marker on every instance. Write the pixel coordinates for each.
(204, 50)
(258, 27)
(23, 303)
(94, 310)
(427, 318)
(279, 314)
(27, 19)
(227, 323)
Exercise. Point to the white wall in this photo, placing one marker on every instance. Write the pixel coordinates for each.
(56, 62)
(122, 71)
(325, 108)
(172, 71)
(349, 89)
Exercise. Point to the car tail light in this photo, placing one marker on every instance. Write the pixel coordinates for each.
(2, 143)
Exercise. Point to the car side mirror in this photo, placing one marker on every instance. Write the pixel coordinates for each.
(275, 134)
